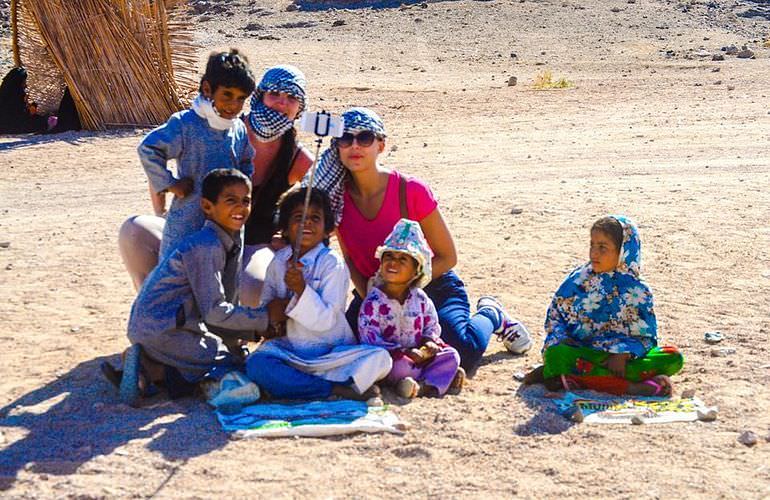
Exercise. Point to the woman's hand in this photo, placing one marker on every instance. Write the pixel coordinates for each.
(440, 241)
(294, 279)
(616, 364)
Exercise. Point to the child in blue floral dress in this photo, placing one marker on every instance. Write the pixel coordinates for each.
(601, 331)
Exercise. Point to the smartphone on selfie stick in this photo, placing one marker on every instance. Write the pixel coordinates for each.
(322, 124)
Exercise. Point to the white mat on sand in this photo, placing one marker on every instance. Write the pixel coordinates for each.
(312, 419)
(619, 410)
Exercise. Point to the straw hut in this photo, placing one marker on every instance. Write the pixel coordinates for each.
(127, 63)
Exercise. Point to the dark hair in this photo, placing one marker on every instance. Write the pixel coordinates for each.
(612, 228)
(295, 197)
(229, 69)
(218, 179)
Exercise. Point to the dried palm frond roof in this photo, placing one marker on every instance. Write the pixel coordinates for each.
(126, 62)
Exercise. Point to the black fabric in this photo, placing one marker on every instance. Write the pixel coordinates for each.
(68, 118)
(260, 227)
(14, 115)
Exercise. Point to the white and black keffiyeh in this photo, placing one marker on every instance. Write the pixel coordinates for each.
(330, 173)
(268, 124)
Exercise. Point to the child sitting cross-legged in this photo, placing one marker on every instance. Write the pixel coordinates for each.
(186, 323)
(601, 331)
(313, 353)
(399, 316)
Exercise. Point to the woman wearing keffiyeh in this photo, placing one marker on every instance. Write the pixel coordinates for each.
(601, 331)
(279, 162)
(368, 200)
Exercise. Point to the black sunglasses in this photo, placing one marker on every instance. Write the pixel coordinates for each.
(364, 139)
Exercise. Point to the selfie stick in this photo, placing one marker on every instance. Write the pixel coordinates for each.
(321, 129)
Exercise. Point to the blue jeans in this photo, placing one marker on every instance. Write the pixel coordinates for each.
(283, 381)
(468, 334)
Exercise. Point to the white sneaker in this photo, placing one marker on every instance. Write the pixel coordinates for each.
(511, 332)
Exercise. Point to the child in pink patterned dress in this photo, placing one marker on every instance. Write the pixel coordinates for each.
(399, 316)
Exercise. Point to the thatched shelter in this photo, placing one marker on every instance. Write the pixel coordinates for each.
(126, 62)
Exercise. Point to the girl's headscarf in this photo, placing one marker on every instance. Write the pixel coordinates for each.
(330, 173)
(407, 237)
(612, 311)
(268, 124)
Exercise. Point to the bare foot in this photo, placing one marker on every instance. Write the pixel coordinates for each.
(659, 385)
(535, 376)
(346, 392)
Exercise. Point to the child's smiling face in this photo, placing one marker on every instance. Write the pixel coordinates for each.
(228, 101)
(604, 253)
(397, 268)
(313, 232)
(232, 207)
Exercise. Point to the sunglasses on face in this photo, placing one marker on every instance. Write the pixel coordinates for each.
(364, 139)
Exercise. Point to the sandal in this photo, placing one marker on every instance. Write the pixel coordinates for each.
(134, 382)
(457, 382)
(661, 389)
(408, 388)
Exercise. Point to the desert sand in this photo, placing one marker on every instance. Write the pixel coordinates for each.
(651, 127)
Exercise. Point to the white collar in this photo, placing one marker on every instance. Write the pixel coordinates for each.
(205, 109)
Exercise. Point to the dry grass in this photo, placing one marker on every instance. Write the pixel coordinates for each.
(545, 81)
(106, 51)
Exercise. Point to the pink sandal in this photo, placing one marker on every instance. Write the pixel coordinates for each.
(661, 390)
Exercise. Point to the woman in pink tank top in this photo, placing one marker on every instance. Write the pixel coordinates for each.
(368, 200)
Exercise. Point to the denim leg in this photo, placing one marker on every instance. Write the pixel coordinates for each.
(470, 336)
(283, 381)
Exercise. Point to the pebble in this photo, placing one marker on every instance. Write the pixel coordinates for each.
(75, 329)
(637, 420)
(338, 22)
(512, 81)
(9, 267)
(748, 438)
(5, 244)
(519, 376)
(745, 54)
(713, 337)
(730, 50)
(718, 57)
(709, 415)
(292, 7)
(688, 394)
(722, 352)
(516, 211)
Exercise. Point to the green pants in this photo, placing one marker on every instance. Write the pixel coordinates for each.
(581, 361)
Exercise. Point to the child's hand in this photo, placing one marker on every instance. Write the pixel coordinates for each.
(616, 363)
(277, 242)
(431, 347)
(294, 279)
(276, 310)
(182, 187)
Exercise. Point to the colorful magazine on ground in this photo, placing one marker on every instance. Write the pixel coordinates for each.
(620, 410)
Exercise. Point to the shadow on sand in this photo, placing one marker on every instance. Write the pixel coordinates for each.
(78, 417)
(546, 419)
(12, 142)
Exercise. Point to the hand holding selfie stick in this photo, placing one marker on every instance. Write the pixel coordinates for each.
(321, 124)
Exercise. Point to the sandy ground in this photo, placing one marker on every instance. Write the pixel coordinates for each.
(652, 128)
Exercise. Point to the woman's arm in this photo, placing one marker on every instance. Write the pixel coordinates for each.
(440, 241)
(359, 282)
(301, 165)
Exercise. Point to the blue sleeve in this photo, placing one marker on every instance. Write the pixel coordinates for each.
(555, 326)
(204, 267)
(157, 147)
